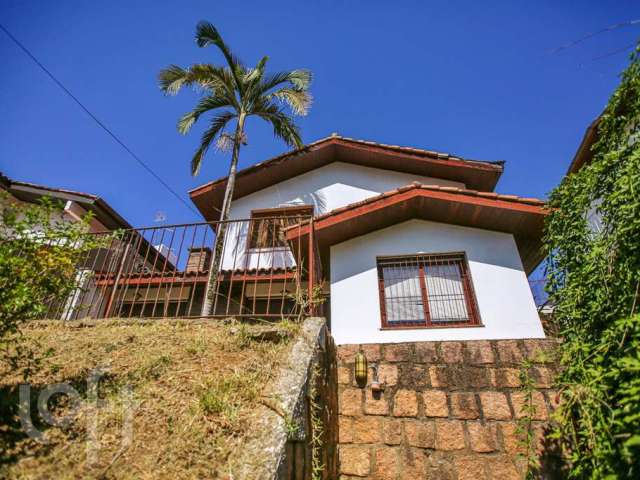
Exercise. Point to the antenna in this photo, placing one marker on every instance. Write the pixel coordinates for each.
(160, 217)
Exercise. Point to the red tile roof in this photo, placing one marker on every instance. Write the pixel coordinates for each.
(473, 173)
(522, 217)
(418, 185)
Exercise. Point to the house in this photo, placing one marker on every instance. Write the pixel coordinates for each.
(75, 204)
(407, 244)
(89, 298)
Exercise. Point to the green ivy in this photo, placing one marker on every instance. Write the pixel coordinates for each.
(594, 280)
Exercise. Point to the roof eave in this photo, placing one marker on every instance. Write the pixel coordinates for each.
(474, 173)
(523, 218)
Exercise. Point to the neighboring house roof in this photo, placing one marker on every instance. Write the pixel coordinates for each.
(522, 217)
(584, 155)
(31, 193)
(480, 175)
(106, 216)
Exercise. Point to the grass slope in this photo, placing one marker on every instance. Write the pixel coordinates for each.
(194, 387)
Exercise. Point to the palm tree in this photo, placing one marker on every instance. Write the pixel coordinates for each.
(232, 93)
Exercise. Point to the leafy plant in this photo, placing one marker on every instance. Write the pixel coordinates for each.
(39, 255)
(524, 428)
(234, 93)
(594, 282)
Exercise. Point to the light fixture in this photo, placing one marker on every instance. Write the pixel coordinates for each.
(360, 369)
(376, 384)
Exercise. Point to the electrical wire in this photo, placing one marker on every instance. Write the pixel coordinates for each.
(97, 120)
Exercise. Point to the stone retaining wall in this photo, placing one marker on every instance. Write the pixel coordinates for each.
(297, 420)
(450, 410)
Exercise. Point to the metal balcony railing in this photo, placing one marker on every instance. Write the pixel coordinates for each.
(165, 271)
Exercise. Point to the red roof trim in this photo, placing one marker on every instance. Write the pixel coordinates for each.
(451, 193)
(438, 157)
(522, 217)
(474, 173)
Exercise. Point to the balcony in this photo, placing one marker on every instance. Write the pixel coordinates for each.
(164, 272)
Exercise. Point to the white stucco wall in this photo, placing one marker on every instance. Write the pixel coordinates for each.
(330, 187)
(505, 303)
(326, 188)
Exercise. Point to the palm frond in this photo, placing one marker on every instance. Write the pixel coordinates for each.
(217, 125)
(297, 79)
(172, 79)
(208, 103)
(283, 125)
(298, 100)
(207, 34)
(204, 76)
(256, 73)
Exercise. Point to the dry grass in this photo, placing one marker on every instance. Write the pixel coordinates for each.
(194, 386)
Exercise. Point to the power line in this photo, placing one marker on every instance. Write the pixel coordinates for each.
(97, 120)
(628, 23)
(613, 52)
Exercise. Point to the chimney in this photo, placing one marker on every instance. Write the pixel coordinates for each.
(199, 259)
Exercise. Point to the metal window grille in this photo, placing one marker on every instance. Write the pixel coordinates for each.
(426, 291)
(268, 225)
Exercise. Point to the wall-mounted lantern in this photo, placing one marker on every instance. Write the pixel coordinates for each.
(376, 384)
(360, 369)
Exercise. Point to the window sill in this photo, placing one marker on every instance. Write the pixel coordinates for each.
(432, 327)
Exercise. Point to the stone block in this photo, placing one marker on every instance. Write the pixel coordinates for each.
(388, 374)
(521, 405)
(398, 352)
(344, 375)
(480, 352)
(482, 437)
(495, 406)
(405, 404)
(375, 404)
(440, 466)
(463, 405)
(540, 350)
(346, 353)
(367, 429)
(506, 377)
(372, 351)
(392, 431)
(542, 376)
(385, 463)
(414, 463)
(345, 429)
(355, 460)
(435, 403)
(451, 352)
(421, 434)
(470, 467)
(504, 468)
(509, 352)
(426, 352)
(351, 401)
(449, 435)
(438, 376)
(415, 376)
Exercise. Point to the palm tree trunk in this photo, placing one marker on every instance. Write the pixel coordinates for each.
(216, 258)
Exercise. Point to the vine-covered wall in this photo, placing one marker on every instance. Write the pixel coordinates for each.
(594, 281)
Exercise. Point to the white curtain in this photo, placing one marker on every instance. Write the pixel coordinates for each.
(403, 298)
(445, 293)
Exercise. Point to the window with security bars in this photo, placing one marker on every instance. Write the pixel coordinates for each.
(267, 226)
(426, 291)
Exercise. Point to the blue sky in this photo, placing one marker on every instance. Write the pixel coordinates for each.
(475, 79)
